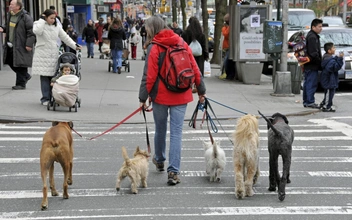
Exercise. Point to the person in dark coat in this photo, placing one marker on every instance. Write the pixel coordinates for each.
(116, 36)
(19, 41)
(194, 32)
(73, 35)
(329, 78)
(176, 28)
(90, 36)
(311, 68)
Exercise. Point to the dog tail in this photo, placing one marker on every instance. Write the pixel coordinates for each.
(215, 150)
(270, 124)
(125, 156)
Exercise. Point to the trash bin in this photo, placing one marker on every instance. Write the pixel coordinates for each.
(296, 76)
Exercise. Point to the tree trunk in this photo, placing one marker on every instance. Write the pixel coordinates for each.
(174, 11)
(205, 17)
(220, 7)
(233, 2)
(184, 16)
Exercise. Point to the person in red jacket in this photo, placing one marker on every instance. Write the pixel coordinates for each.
(164, 101)
(99, 27)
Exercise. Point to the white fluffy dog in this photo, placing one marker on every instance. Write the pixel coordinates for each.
(246, 155)
(215, 160)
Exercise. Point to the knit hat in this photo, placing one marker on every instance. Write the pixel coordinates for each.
(62, 65)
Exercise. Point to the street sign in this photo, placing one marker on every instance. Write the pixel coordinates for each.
(70, 9)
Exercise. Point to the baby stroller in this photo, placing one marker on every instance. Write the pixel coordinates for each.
(125, 62)
(65, 89)
(105, 49)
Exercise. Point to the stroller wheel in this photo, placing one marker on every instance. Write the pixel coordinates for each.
(110, 65)
(54, 106)
(76, 106)
(101, 56)
(79, 102)
(69, 109)
(48, 106)
(128, 66)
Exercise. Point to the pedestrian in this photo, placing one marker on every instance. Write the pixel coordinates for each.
(126, 27)
(116, 36)
(52, 7)
(194, 32)
(47, 51)
(176, 29)
(143, 33)
(73, 35)
(134, 42)
(166, 102)
(228, 66)
(100, 27)
(311, 68)
(329, 78)
(19, 41)
(90, 36)
(106, 27)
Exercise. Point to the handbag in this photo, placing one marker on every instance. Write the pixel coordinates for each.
(207, 69)
(196, 48)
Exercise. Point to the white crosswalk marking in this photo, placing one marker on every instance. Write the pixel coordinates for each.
(320, 172)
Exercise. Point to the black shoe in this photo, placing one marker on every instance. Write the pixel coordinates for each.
(312, 106)
(159, 166)
(29, 77)
(18, 87)
(329, 110)
(119, 70)
(88, 56)
(92, 57)
(172, 179)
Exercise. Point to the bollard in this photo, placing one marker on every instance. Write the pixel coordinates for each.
(282, 84)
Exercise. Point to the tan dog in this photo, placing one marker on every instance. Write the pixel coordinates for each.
(56, 146)
(246, 155)
(136, 169)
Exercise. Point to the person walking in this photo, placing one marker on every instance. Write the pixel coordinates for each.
(166, 102)
(73, 35)
(19, 41)
(194, 32)
(311, 68)
(100, 27)
(176, 28)
(329, 78)
(47, 52)
(116, 36)
(228, 66)
(90, 36)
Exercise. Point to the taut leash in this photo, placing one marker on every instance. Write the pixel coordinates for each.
(227, 106)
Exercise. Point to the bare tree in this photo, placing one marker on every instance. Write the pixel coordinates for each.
(184, 16)
(220, 7)
(174, 10)
(205, 16)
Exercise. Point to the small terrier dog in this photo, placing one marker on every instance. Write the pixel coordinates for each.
(136, 169)
(215, 160)
(246, 155)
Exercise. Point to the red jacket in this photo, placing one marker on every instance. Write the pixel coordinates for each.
(152, 86)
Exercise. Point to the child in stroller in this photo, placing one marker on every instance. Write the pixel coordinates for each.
(105, 49)
(66, 83)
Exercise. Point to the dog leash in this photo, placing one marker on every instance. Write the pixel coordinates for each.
(227, 106)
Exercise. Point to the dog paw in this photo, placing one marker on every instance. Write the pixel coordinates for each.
(281, 196)
(240, 195)
(135, 192)
(44, 207)
(218, 179)
(117, 188)
(54, 193)
(66, 196)
(288, 180)
(69, 181)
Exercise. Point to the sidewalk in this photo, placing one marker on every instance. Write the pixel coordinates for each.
(109, 98)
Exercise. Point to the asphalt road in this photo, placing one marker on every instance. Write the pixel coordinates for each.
(321, 175)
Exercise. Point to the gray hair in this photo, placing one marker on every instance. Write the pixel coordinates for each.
(153, 26)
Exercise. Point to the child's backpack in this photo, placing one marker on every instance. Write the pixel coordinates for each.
(176, 64)
(300, 50)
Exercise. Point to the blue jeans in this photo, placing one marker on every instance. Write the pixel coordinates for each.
(90, 48)
(116, 59)
(310, 85)
(46, 88)
(177, 115)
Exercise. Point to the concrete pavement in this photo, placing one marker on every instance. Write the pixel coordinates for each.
(109, 97)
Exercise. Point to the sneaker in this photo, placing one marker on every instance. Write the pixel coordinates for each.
(329, 110)
(223, 76)
(159, 166)
(29, 77)
(45, 103)
(312, 106)
(18, 87)
(172, 179)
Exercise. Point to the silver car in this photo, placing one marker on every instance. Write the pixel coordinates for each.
(342, 39)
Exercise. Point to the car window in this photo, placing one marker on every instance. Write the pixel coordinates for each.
(298, 19)
(339, 38)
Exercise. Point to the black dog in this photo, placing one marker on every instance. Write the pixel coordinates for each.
(280, 138)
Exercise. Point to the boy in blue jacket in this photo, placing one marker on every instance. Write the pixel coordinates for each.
(329, 79)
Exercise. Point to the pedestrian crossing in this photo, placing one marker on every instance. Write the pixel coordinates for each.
(321, 176)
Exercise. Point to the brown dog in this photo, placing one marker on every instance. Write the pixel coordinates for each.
(56, 146)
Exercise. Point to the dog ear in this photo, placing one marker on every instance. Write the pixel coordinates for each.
(285, 119)
(54, 123)
(70, 124)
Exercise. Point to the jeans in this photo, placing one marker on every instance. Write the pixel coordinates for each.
(229, 66)
(310, 85)
(22, 74)
(328, 96)
(90, 47)
(116, 59)
(46, 88)
(177, 115)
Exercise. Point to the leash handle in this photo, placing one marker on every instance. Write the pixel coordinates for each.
(146, 129)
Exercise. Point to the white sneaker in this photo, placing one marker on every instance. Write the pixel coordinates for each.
(45, 103)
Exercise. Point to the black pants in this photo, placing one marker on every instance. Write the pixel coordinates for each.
(328, 96)
(22, 74)
(100, 44)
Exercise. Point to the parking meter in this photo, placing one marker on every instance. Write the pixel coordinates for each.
(272, 37)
